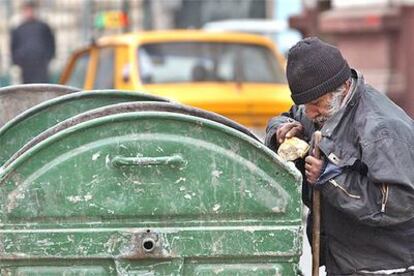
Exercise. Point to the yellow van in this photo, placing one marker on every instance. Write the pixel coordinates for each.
(237, 75)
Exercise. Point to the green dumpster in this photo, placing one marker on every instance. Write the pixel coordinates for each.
(149, 193)
(18, 131)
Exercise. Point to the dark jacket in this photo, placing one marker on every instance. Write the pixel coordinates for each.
(367, 210)
(32, 47)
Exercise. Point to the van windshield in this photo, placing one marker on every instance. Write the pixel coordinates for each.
(208, 62)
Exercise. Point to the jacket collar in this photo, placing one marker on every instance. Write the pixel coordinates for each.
(332, 123)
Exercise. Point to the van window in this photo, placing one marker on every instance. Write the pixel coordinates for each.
(105, 69)
(208, 61)
(78, 75)
(257, 65)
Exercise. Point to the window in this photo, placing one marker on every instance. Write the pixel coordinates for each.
(258, 67)
(205, 61)
(105, 69)
(78, 75)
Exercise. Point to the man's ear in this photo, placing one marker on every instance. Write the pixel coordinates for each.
(348, 84)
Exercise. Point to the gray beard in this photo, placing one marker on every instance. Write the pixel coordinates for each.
(334, 107)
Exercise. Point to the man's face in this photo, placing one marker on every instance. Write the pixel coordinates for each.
(324, 107)
(28, 12)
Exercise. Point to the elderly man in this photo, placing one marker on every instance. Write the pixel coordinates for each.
(366, 170)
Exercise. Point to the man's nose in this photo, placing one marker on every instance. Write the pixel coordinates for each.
(311, 112)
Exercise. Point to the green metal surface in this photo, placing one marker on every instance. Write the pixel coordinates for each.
(149, 193)
(124, 108)
(27, 125)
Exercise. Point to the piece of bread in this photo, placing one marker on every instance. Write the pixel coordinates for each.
(292, 149)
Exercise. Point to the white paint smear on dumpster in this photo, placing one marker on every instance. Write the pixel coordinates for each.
(216, 173)
(78, 198)
(96, 156)
(181, 179)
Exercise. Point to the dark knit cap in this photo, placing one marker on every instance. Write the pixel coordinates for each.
(315, 68)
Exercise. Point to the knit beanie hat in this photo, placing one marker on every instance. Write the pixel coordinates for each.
(314, 68)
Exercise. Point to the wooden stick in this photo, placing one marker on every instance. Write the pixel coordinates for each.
(316, 212)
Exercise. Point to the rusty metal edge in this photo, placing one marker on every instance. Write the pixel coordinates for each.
(75, 95)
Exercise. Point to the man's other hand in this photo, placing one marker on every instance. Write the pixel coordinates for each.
(313, 169)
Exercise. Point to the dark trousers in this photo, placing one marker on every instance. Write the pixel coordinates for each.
(35, 72)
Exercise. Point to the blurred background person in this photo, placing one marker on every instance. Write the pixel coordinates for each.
(32, 46)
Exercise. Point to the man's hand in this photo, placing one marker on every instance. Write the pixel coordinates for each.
(289, 130)
(313, 169)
